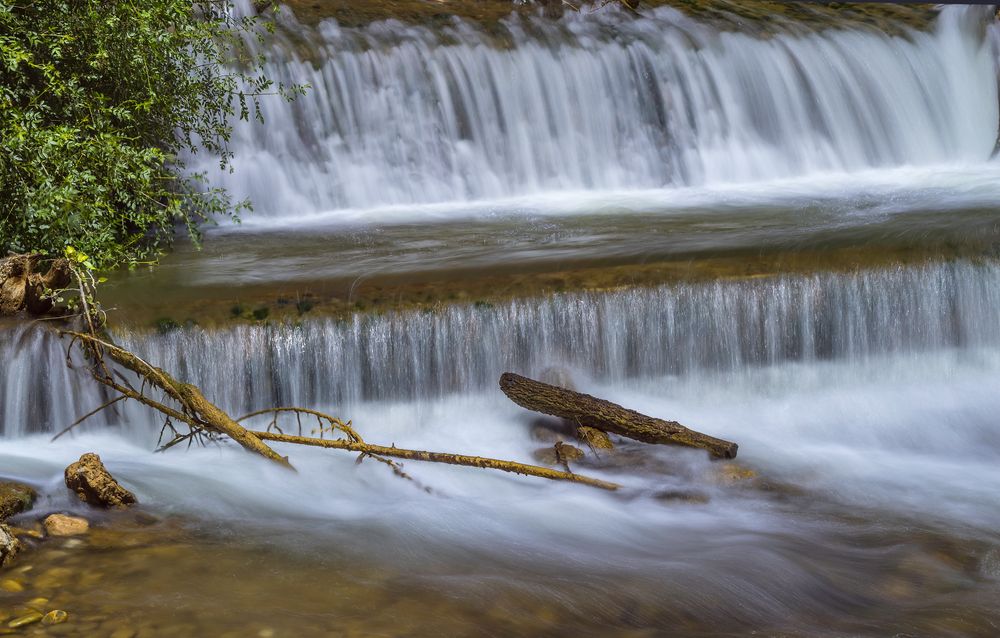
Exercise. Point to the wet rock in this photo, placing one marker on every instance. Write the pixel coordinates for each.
(595, 438)
(558, 454)
(27, 619)
(64, 525)
(30, 533)
(681, 496)
(10, 546)
(10, 585)
(55, 617)
(94, 484)
(53, 578)
(732, 474)
(15, 498)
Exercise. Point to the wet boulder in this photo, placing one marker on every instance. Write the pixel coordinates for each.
(15, 498)
(94, 484)
(65, 525)
(10, 546)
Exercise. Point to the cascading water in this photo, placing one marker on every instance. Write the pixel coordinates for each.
(408, 115)
(617, 336)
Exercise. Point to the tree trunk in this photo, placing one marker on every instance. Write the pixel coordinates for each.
(23, 286)
(590, 411)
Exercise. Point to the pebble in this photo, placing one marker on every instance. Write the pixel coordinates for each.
(11, 586)
(55, 617)
(24, 620)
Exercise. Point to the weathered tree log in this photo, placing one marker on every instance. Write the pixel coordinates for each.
(604, 415)
(437, 457)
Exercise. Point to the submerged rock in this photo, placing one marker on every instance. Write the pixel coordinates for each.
(55, 617)
(595, 438)
(15, 498)
(558, 454)
(94, 484)
(64, 525)
(10, 546)
(731, 474)
(27, 619)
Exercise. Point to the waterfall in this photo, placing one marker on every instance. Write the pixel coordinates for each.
(612, 336)
(402, 115)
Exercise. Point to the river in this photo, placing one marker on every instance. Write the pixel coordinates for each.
(783, 238)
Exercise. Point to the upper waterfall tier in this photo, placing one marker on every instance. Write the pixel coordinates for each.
(401, 114)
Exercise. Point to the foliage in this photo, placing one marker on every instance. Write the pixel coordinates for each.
(100, 100)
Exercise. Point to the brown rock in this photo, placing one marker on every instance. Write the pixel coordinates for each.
(55, 617)
(594, 438)
(27, 619)
(10, 546)
(64, 525)
(559, 454)
(732, 474)
(15, 498)
(94, 484)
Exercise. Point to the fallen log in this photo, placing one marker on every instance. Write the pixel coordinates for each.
(586, 410)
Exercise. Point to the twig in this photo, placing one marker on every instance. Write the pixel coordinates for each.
(87, 416)
(439, 457)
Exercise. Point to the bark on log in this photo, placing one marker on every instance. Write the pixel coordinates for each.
(23, 285)
(604, 415)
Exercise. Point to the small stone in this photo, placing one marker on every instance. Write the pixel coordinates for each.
(730, 474)
(55, 617)
(594, 438)
(37, 602)
(24, 620)
(558, 454)
(11, 586)
(53, 578)
(30, 533)
(680, 496)
(64, 525)
(94, 484)
(15, 498)
(10, 545)
(123, 632)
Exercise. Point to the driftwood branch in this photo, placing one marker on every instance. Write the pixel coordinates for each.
(439, 457)
(197, 410)
(202, 417)
(607, 416)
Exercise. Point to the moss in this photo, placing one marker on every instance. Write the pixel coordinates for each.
(304, 305)
(165, 325)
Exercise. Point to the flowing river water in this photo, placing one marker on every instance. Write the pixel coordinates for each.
(787, 239)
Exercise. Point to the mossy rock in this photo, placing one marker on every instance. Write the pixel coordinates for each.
(595, 438)
(15, 498)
